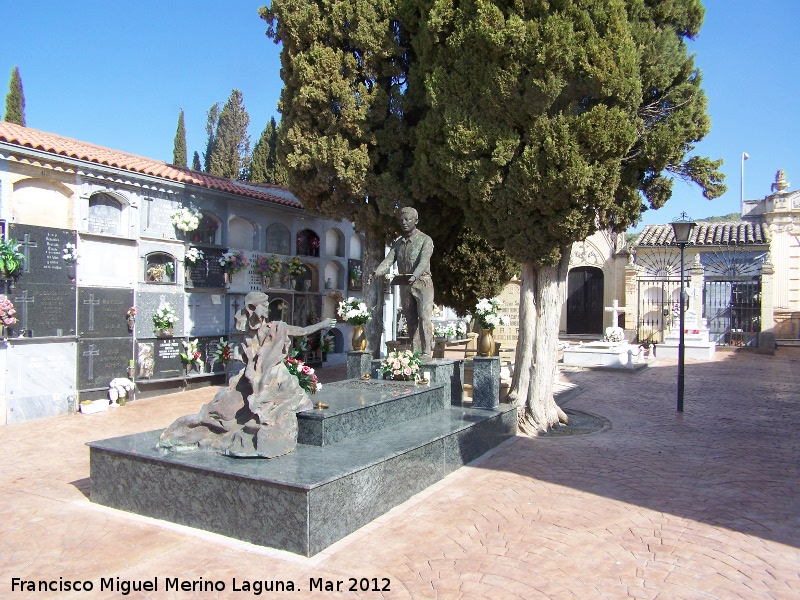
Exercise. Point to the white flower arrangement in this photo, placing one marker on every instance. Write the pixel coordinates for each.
(489, 313)
(354, 311)
(165, 317)
(615, 335)
(461, 329)
(186, 219)
(70, 253)
(118, 388)
(445, 330)
(193, 255)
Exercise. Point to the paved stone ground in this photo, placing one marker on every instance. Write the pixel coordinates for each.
(659, 505)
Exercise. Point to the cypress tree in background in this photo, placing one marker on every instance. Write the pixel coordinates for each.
(211, 128)
(179, 150)
(264, 167)
(229, 155)
(15, 100)
(196, 162)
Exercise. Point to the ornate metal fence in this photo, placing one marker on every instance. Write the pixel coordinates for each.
(658, 305)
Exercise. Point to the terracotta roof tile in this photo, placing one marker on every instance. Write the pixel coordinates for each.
(708, 234)
(55, 144)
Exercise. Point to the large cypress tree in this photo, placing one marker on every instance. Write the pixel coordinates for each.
(265, 166)
(230, 150)
(212, 116)
(179, 149)
(15, 100)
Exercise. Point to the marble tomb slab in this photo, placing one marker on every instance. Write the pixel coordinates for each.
(29, 395)
(102, 312)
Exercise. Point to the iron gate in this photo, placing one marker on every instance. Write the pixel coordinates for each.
(733, 310)
(658, 306)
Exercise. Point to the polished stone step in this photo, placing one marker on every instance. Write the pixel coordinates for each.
(301, 502)
(358, 407)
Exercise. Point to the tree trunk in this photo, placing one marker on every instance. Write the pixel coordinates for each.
(540, 412)
(373, 253)
(523, 360)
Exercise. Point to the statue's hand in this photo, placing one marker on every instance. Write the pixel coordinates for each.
(411, 279)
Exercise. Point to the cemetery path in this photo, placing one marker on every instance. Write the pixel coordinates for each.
(658, 505)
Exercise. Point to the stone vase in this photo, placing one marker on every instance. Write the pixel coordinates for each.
(164, 333)
(485, 343)
(131, 323)
(275, 280)
(359, 339)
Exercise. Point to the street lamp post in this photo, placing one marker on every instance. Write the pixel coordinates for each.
(745, 156)
(682, 227)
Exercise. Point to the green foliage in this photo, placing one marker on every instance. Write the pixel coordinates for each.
(196, 162)
(15, 100)
(179, 149)
(229, 154)
(722, 218)
(469, 270)
(264, 166)
(212, 116)
(11, 258)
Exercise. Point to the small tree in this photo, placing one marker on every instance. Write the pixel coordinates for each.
(15, 100)
(212, 116)
(196, 162)
(265, 166)
(179, 148)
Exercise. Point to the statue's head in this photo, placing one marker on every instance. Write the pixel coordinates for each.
(256, 310)
(408, 219)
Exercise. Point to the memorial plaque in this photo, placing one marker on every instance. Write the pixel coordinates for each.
(207, 273)
(105, 214)
(507, 335)
(157, 217)
(107, 262)
(147, 303)
(205, 314)
(101, 360)
(102, 312)
(32, 395)
(43, 310)
(43, 249)
(166, 356)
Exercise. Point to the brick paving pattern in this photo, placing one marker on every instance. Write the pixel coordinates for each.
(659, 505)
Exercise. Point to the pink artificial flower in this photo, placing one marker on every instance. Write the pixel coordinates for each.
(307, 370)
(407, 371)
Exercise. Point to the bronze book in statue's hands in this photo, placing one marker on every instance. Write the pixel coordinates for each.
(401, 279)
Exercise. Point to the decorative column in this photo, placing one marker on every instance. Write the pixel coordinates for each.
(486, 382)
(766, 338)
(631, 296)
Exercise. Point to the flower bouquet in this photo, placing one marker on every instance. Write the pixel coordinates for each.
(164, 319)
(186, 219)
(355, 276)
(401, 365)
(7, 311)
(70, 254)
(224, 353)
(233, 262)
(295, 266)
(267, 266)
(489, 313)
(156, 273)
(305, 375)
(191, 356)
(193, 255)
(353, 311)
(10, 257)
(130, 317)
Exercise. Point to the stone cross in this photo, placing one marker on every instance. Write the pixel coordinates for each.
(92, 303)
(23, 310)
(192, 304)
(615, 309)
(26, 245)
(91, 353)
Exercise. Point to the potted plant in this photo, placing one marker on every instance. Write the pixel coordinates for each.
(488, 311)
(191, 357)
(267, 266)
(164, 320)
(10, 257)
(295, 268)
(355, 312)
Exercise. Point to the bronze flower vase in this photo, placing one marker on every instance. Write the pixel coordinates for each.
(359, 339)
(486, 343)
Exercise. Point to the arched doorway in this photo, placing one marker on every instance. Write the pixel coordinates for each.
(585, 300)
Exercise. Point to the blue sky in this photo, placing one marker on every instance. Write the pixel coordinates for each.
(117, 74)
